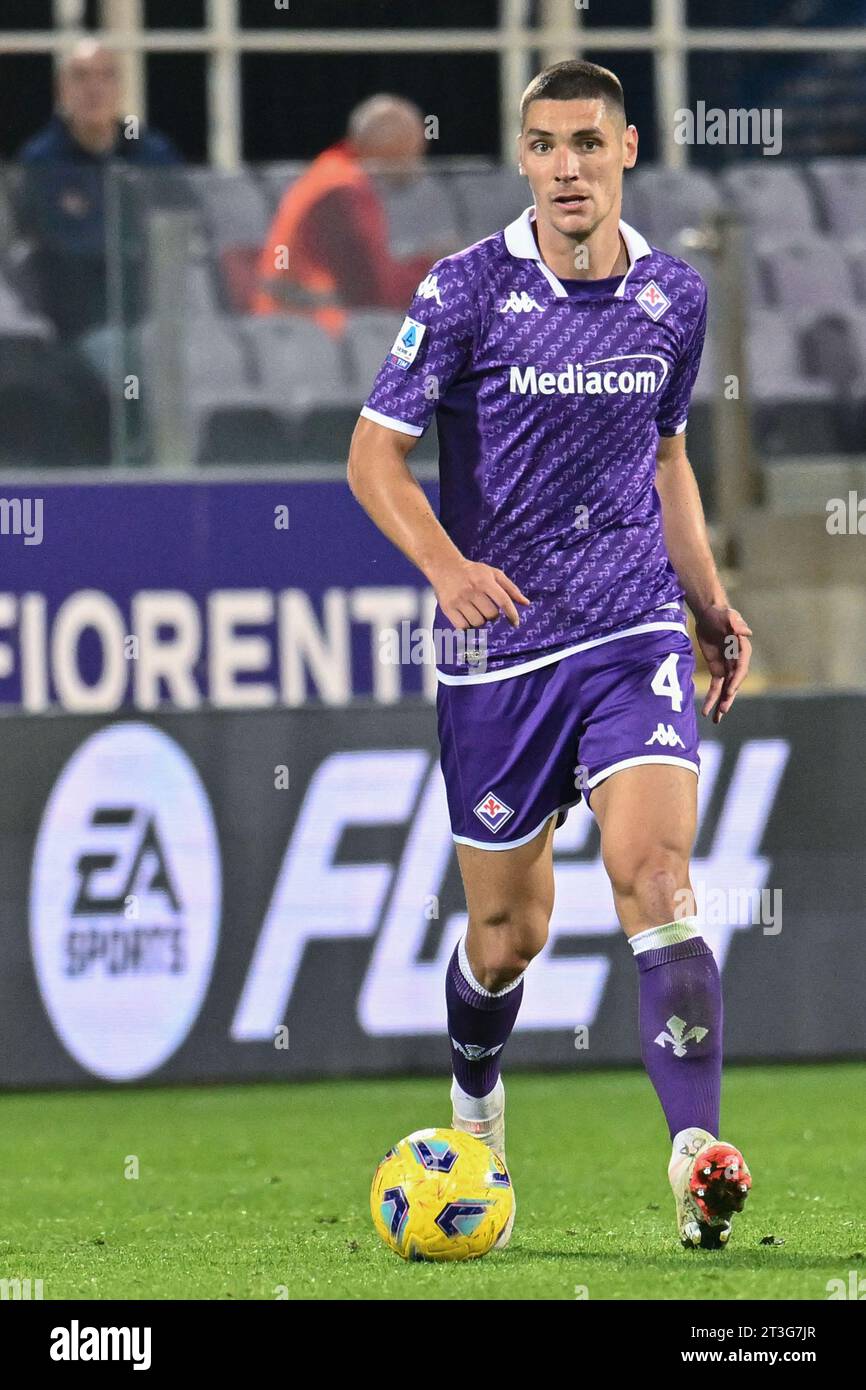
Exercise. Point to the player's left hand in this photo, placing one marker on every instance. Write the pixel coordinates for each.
(723, 637)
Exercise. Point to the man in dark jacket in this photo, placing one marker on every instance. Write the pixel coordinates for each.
(63, 207)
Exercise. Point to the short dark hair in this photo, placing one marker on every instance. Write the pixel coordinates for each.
(574, 80)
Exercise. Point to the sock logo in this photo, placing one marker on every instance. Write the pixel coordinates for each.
(473, 1052)
(678, 1037)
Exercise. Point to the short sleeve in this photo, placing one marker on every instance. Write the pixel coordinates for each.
(434, 345)
(674, 406)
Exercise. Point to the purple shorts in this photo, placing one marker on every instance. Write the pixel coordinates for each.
(516, 751)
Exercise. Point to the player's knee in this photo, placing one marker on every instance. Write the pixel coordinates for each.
(505, 940)
(655, 877)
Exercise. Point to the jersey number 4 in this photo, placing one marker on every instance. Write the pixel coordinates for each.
(665, 682)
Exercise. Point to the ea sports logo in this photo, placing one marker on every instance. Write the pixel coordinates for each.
(125, 901)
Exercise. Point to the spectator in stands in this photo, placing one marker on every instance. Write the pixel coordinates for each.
(62, 211)
(327, 249)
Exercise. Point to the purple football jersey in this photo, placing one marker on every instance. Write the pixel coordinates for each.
(549, 400)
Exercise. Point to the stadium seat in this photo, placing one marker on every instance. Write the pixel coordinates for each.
(668, 200)
(201, 288)
(793, 411)
(369, 335)
(52, 406)
(858, 325)
(833, 345)
(235, 209)
(422, 216)
(291, 354)
(276, 179)
(855, 253)
(229, 418)
(802, 271)
(770, 199)
(841, 185)
(830, 344)
(302, 379)
(775, 358)
(489, 200)
(236, 216)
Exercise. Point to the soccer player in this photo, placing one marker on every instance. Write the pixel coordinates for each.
(559, 357)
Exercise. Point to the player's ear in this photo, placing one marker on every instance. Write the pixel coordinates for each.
(630, 147)
(520, 168)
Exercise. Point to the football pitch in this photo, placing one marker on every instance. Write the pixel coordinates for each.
(261, 1192)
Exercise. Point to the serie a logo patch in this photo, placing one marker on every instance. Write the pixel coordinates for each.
(407, 343)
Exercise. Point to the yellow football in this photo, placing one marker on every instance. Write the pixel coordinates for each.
(441, 1194)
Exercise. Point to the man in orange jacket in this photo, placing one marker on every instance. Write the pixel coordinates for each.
(327, 250)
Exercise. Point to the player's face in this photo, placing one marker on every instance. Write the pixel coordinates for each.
(573, 153)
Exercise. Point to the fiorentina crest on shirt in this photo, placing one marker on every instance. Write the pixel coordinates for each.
(653, 301)
(492, 812)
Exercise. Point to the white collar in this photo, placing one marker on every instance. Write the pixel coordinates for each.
(520, 241)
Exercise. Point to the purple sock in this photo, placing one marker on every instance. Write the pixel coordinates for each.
(479, 1025)
(681, 1028)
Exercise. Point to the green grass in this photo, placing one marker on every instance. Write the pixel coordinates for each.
(242, 1190)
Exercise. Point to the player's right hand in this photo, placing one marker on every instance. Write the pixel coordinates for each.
(471, 594)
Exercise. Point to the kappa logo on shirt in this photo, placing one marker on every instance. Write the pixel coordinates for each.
(429, 289)
(521, 303)
(653, 301)
(492, 812)
(407, 343)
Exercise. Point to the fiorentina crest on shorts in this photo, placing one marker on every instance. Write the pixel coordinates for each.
(492, 812)
(653, 301)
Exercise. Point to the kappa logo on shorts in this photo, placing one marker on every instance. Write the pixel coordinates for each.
(492, 812)
(667, 736)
